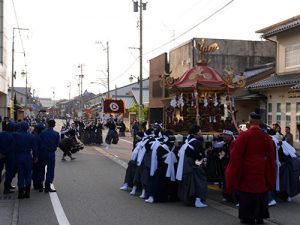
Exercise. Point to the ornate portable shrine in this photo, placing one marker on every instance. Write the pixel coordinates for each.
(202, 96)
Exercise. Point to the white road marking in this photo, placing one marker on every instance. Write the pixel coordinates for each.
(126, 141)
(58, 209)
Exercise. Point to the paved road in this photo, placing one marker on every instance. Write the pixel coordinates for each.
(88, 190)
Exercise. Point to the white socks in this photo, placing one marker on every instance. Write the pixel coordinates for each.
(150, 199)
(133, 190)
(272, 202)
(124, 187)
(199, 204)
(143, 195)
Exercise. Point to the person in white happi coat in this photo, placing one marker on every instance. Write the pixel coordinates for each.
(132, 164)
(162, 169)
(288, 170)
(192, 183)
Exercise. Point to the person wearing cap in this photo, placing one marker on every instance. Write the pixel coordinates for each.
(251, 172)
(192, 183)
(49, 142)
(25, 147)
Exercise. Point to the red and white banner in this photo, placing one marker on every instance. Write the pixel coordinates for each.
(114, 106)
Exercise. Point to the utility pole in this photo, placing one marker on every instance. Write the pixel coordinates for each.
(140, 7)
(69, 86)
(107, 54)
(80, 83)
(13, 73)
(107, 59)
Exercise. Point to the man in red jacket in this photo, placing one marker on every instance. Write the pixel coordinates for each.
(251, 172)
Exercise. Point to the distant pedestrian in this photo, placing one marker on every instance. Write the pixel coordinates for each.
(135, 129)
(252, 172)
(289, 136)
(122, 128)
(111, 132)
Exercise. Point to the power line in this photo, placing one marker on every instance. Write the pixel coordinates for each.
(19, 31)
(190, 29)
(175, 38)
(126, 70)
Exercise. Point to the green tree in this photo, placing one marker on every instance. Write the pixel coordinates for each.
(135, 109)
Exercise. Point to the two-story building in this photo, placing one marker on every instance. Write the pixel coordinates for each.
(4, 100)
(282, 88)
(239, 55)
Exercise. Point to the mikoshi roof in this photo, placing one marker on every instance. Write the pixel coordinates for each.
(200, 75)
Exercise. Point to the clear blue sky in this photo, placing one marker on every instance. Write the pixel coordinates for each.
(63, 34)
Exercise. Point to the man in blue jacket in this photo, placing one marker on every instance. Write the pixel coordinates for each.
(7, 157)
(25, 146)
(49, 143)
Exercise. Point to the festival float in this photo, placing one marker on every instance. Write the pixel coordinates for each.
(202, 96)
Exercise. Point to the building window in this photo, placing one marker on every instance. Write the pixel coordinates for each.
(269, 119)
(278, 119)
(278, 107)
(287, 120)
(292, 56)
(297, 131)
(298, 107)
(157, 91)
(269, 107)
(288, 107)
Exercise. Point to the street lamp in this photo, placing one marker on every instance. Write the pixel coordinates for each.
(132, 77)
(24, 74)
(101, 82)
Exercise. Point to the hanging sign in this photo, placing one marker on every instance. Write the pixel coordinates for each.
(113, 106)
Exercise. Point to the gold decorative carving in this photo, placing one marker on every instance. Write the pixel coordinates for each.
(200, 72)
(203, 49)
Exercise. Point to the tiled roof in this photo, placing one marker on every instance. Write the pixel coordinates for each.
(276, 81)
(282, 28)
(296, 87)
(254, 72)
(129, 101)
(136, 94)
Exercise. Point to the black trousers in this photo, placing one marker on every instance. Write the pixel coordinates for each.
(253, 206)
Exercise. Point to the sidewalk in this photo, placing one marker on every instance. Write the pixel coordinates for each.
(9, 207)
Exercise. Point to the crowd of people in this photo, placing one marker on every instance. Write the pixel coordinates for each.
(27, 149)
(252, 168)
